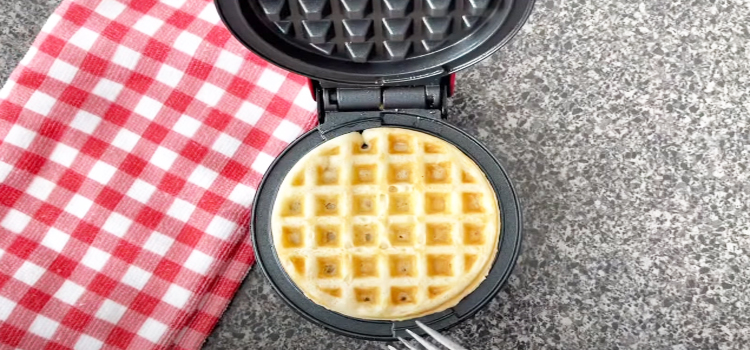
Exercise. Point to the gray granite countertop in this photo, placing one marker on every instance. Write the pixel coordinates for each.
(625, 126)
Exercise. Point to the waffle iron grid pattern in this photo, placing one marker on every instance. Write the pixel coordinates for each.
(431, 237)
(376, 30)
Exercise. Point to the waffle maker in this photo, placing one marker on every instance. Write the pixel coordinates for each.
(379, 63)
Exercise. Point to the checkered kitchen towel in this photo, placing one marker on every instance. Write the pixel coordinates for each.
(133, 136)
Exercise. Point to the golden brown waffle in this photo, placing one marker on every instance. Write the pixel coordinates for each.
(387, 224)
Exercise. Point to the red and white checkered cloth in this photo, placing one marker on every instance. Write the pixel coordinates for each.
(134, 135)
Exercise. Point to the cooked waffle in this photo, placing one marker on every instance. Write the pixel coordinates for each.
(388, 224)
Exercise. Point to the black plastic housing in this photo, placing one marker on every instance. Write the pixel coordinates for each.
(435, 50)
(364, 44)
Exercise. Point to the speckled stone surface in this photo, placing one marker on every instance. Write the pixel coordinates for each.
(20, 21)
(626, 127)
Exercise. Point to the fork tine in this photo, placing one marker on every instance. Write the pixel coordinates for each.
(422, 341)
(450, 344)
(408, 345)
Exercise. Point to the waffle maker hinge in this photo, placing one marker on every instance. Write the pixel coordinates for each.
(428, 100)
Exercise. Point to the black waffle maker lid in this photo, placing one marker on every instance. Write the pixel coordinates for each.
(379, 63)
(374, 42)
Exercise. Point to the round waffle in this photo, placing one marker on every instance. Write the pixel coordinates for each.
(386, 224)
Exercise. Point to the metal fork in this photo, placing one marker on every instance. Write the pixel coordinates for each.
(441, 339)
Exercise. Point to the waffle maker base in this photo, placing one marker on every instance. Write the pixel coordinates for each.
(508, 249)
